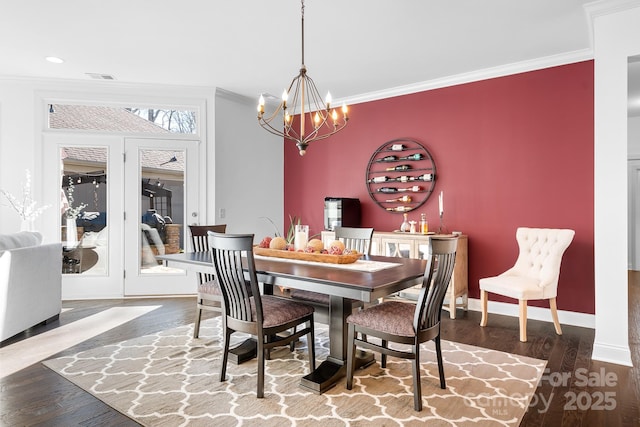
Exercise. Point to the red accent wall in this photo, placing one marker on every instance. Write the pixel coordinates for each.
(510, 151)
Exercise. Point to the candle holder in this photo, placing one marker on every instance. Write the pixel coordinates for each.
(442, 229)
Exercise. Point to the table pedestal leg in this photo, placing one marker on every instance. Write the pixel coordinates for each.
(330, 371)
(246, 351)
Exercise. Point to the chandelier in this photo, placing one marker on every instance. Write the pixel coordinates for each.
(306, 102)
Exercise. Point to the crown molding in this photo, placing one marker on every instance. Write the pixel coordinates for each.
(484, 74)
(235, 97)
(600, 8)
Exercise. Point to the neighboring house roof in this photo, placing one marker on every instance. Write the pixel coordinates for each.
(99, 118)
(111, 119)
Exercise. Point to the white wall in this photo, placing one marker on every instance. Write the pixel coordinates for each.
(17, 151)
(249, 165)
(616, 37)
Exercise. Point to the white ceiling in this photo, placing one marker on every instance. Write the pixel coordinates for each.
(352, 47)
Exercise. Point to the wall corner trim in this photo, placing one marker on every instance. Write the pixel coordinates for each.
(611, 354)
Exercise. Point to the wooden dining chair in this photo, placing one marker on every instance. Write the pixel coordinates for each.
(209, 296)
(407, 323)
(262, 316)
(353, 238)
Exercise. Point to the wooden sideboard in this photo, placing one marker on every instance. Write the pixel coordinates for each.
(413, 245)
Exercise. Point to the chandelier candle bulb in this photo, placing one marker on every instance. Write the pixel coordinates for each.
(397, 147)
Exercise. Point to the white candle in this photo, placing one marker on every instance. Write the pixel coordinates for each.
(300, 240)
(441, 202)
(301, 237)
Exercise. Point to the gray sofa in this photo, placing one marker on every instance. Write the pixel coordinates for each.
(30, 282)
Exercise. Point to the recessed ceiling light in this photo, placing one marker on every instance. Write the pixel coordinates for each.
(54, 59)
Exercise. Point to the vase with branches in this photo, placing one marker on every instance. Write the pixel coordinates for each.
(71, 214)
(25, 206)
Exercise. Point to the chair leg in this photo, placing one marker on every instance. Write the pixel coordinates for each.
(292, 344)
(383, 356)
(484, 297)
(351, 349)
(554, 315)
(262, 353)
(311, 345)
(443, 384)
(417, 388)
(523, 320)
(196, 326)
(225, 353)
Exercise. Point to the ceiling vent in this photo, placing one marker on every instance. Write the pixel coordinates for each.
(100, 76)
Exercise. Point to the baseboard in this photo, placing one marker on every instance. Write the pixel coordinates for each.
(536, 313)
(611, 354)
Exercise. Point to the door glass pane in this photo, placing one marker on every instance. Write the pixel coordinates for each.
(162, 202)
(119, 119)
(83, 210)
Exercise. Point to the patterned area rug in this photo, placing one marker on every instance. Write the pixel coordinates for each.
(171, 379)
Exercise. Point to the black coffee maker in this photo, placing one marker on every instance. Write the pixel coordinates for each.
(341, 212)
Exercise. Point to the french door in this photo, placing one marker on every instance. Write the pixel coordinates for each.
(160, 196)
(116, 203)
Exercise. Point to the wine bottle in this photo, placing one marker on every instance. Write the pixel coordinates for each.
(397, 147)
(388, 190)
(403, 199)
(403, 178)
(379, 179)
(425, 177)
(399, 168)
(400, 209)
(388, 159)
(415, 188)
(416, 156)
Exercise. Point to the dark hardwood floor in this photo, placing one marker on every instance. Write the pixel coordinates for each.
(36, 396)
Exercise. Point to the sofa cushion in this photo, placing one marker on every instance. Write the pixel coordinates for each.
(22, 239)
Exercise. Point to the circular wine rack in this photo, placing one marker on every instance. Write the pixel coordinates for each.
(400, 175)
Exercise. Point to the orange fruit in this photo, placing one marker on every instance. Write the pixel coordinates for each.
(316, 245)
(278, 243)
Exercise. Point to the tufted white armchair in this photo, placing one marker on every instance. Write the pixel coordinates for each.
(534, 275)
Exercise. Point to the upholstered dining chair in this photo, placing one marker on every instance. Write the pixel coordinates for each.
(405, 322)
(535, 274)
(209, 296)
(262, 316)
(353, 238)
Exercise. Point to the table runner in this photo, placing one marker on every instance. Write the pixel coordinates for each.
(360, 265)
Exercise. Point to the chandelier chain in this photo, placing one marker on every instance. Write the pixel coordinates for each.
(302, 22)
(305, 117)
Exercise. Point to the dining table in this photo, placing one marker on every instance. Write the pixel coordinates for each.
(368, 279)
